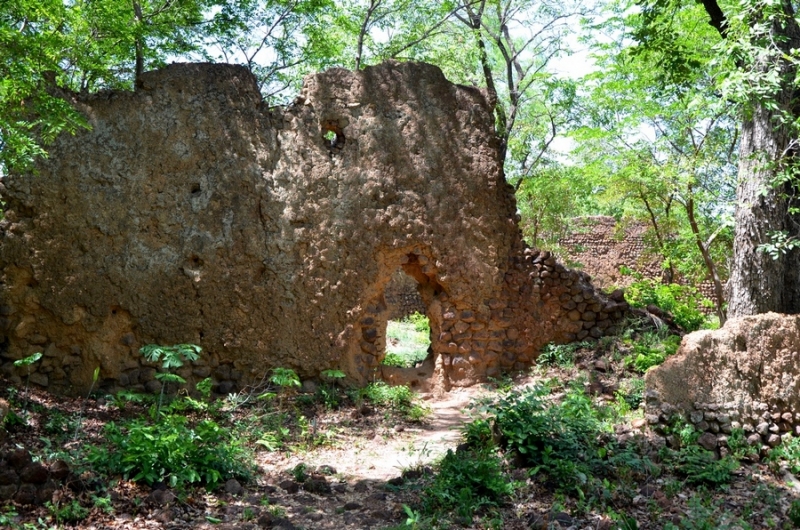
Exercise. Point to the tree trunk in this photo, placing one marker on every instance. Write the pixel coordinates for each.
(139, 65)
(711, 267)
(761, 282)
(758, 282)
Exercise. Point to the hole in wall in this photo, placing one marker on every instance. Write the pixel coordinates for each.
(333, 134)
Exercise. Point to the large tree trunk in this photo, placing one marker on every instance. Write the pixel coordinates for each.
(758, 282)
(761, 282)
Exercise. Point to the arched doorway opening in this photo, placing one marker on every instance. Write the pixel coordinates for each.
(402, 336)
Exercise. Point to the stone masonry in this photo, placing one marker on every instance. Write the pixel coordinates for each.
(192, 213)
(601, 246)
(742, 376)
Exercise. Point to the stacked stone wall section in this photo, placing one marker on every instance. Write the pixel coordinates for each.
(190, 212)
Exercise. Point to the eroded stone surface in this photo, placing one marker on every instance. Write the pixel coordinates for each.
(744, 375)
(190, 212)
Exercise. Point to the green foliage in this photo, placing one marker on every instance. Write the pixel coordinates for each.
(738, 446)
(560, 354)
(7, 516)
(465, 483)
(683, 302)
(400, 398)
(329, 396)
(706, 515)
(69, 513)
(82, 46)
(420, 322)
(204, 387)
(29, 360)
(700, 466)
(550, 202)
(123, 397)
(553, 440)
(381, 393)
(478, 435)
(171, 356)
(565, 444)
(103, 503)
(171, 451)
(273, 432)
(788, 453)
(58, 424)
(657, 143)
(652, 349)
(285, 378)
(333, 374)
(393, 359)
(299, 472)
(794, 513)
(632, 392)
(407, 341)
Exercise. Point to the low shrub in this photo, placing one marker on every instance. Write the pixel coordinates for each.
(555, 440)
(171, 451)
(794, 513)
(380, 393)
(683, 302)
(70, 513)
(557, 355)
(788, 453)
(400, 398)
(704, 514)
(566, 444)
(652, 349)
(701, 467)
(466, 482)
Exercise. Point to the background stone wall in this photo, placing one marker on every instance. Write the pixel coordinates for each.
(402, 296)
(191, 213)
(600, 246)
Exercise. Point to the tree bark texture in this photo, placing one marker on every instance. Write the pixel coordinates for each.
(760, 283)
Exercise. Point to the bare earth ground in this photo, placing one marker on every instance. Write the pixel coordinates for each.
(374, 464)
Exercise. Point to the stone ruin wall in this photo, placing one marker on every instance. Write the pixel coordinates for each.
(600, 245)
(193, 213)
(402, 296)
(745, 375)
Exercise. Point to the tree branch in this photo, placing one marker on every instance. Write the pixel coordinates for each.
(716, 16)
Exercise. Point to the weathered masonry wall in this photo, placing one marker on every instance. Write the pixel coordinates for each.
(190, 212)
(741, 376)
(402, 296)
(601, 246)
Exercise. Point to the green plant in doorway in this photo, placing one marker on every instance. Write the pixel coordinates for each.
(407, 341)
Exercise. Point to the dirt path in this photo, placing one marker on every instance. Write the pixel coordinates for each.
(389, 451)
